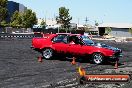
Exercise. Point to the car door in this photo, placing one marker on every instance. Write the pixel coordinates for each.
(77, 48)
(74, 49)
(88, 44)
(60, 43)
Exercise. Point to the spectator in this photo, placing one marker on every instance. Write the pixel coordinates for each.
(72, 42)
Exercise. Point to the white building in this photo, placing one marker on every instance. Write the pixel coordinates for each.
(118, 29)
(50, 23)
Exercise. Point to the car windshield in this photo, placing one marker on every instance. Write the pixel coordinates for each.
(86, 40)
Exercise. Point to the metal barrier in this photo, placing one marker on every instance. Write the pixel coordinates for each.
(20, 36)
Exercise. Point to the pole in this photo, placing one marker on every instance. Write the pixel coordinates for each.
(58, 29)
(78, 21)
(66, 30)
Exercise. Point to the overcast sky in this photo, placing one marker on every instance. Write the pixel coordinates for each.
(107, 11)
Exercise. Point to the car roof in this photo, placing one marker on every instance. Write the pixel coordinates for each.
(68, 34)
(64, 33)
(76, 34)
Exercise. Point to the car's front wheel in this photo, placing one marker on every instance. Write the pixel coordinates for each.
(47, 53)
(97, 58)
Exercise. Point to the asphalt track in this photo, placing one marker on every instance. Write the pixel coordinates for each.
(19, 67)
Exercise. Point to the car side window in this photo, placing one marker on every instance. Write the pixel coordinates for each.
(60, 38)
(75, 39)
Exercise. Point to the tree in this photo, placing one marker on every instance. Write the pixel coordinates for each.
(3, 10)
(16, 19)
(64, 18)
(25, 20)
(4, 23)
(107, 30)
(43, 22)
(29, 18)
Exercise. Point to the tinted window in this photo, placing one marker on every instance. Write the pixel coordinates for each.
(60, 38)
(75, 39)
(87, 40)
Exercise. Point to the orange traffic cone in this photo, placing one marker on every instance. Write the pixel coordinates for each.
(43, 35)
(81, 71)
(39, 59)
(116, 65)
(73, 61)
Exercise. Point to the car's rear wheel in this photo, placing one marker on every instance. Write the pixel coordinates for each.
(97, 58)
(47, 53)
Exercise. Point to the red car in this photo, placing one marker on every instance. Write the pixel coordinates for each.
(75, 45)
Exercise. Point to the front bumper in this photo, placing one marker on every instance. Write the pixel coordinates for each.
(115, 57)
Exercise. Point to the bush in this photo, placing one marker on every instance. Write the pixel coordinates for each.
(62, 30)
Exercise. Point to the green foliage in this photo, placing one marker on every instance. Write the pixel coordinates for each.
(3, 23)
(64, 17)
(3, 3)
(16, 19)
(43, 22)
(3, 10)
(25, 20)
(62, 30)
(107, 30)
(29, 18)
(130, 30)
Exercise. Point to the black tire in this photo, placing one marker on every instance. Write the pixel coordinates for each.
(97, 58)
(47, 53)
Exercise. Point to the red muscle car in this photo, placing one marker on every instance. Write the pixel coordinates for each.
(75, 45)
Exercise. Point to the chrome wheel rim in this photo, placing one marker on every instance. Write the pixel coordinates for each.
(98, 58)
(47, 53)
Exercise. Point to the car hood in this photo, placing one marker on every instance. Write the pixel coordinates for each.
(102, 45)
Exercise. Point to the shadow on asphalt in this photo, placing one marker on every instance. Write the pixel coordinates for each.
(84, 61)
